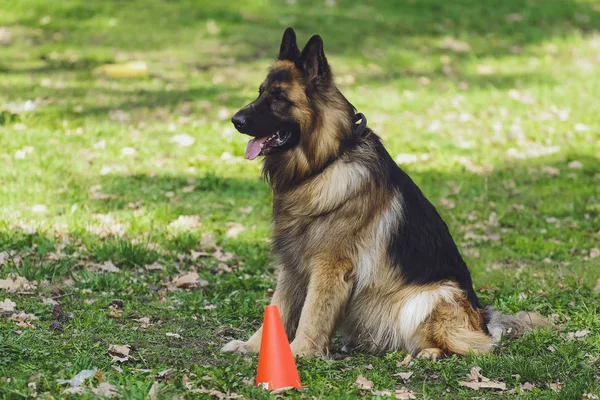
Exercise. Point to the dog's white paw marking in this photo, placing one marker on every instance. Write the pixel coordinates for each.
(235, 346)
(432, 354)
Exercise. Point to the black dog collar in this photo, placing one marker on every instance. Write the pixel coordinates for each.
(359, 129)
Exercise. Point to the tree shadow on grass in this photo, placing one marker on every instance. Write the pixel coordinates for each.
(522, 197)
(368, 32)
(348, 24)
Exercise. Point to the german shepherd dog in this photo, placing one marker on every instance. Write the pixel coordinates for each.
(360, 248)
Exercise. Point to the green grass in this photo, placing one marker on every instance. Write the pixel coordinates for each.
(499, 102)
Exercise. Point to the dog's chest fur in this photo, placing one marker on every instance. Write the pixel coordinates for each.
(342, 213)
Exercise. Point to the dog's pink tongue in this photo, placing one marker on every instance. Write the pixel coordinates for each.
(253, 149)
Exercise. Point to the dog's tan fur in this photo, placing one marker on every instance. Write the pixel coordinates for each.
(330, 226)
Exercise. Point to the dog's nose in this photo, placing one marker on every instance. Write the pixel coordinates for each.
(238, 121)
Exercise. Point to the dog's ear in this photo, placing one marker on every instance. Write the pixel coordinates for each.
(288, 49)
(313, 61)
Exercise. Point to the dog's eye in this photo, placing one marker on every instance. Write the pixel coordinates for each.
(279, 97)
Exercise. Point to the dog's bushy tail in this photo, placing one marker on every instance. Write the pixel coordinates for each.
(512, 326)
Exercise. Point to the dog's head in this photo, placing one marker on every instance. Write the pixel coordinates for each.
(292, 105)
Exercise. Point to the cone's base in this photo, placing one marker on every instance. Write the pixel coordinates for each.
(268, 386)
(276, 365)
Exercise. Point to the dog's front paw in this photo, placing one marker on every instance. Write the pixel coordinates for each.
(237, 346)
(304, 350)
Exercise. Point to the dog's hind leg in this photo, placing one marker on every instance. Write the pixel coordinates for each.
(288, 297)
(454, 328)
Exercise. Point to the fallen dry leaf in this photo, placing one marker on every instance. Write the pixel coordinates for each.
(153, 392)
(208, 241)
(184, 223)
(514, 17)
(16, 283)
(155, 266)
(483, 385)
(33, 387)
(39, 208)
(245, 210)
(471, 253)
(115, 311)
(224, 268)
(106, 266)
(555, 386)
(594, 252)
(197, 254)
(405, 394)
(75, 390)
(175, 335)
(214, 392)
(188, 189)
(363, 383)
(24, 324)
(402, 393)
(578, 334)
(188, 281)
(551, 171)
(405, 158)
(5, 35)
(404, 375)
(477, 381)
(105, 389)
(119, 353)
(223, 257)
(450, 43)
(575, 164)
(597, 287)
(281, 390)
(447, 203)
(183, 140)
(7, 306)
(474, 168)
(49, 301)
(102, 196)
(23, 319)
(485, 69)
(145, 321)
(234, 230)
(526, 386)
(165, 374)
(5, 256)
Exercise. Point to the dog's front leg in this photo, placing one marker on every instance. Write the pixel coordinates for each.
(328, 293)
(288, 297)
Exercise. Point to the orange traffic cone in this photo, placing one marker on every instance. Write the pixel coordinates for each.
(276, 365)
